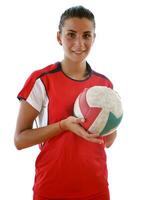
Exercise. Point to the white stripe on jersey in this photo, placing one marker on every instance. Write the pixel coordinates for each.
(38, 99)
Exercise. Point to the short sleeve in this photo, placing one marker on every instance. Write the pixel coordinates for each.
(37, 95)
(34, 93)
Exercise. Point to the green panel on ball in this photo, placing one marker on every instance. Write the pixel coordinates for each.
(112, 123)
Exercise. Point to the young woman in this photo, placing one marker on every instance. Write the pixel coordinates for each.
(72, 163)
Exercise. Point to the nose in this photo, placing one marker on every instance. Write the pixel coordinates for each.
(79, 42)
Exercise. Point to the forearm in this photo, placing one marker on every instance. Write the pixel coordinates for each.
(30, 137)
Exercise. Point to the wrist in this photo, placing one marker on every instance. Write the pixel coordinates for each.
(61, 125)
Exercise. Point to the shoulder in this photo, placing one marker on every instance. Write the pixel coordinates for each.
(35, 80)
(41, 72)
(46, 70)
(98, 78)
(102, 78)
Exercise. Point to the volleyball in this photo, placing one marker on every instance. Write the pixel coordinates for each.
(101, 108)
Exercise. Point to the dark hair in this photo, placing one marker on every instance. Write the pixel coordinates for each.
(76, 11)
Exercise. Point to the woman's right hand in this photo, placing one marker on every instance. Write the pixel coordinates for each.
(73, 124)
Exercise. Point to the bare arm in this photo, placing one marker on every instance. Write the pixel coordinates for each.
(26, 136)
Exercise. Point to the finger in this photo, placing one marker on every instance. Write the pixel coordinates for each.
(99, 141)
(80, 120)
(90, 137)
(93, 135)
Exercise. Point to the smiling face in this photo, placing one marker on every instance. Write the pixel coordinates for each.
(76, 37)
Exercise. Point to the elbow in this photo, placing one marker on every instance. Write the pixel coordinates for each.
(18, 147)
(108, 145)
(17, 143)
(109, 139)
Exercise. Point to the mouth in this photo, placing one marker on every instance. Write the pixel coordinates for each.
(79, 52)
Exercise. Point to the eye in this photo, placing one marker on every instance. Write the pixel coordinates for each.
(87, 36)
(71, 35)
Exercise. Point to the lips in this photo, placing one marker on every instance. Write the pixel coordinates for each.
(79, 52)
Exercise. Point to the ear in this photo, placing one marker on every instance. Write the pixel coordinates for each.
(59, 37)
(94, 37)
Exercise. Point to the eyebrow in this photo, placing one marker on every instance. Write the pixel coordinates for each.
(76, 31)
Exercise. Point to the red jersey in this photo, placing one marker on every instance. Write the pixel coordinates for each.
(68, 166)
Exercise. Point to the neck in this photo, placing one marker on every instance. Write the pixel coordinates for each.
(75, 70)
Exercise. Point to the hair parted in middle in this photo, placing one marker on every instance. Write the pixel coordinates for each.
(76, 11)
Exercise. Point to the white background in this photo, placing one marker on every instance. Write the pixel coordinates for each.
(28, 42)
